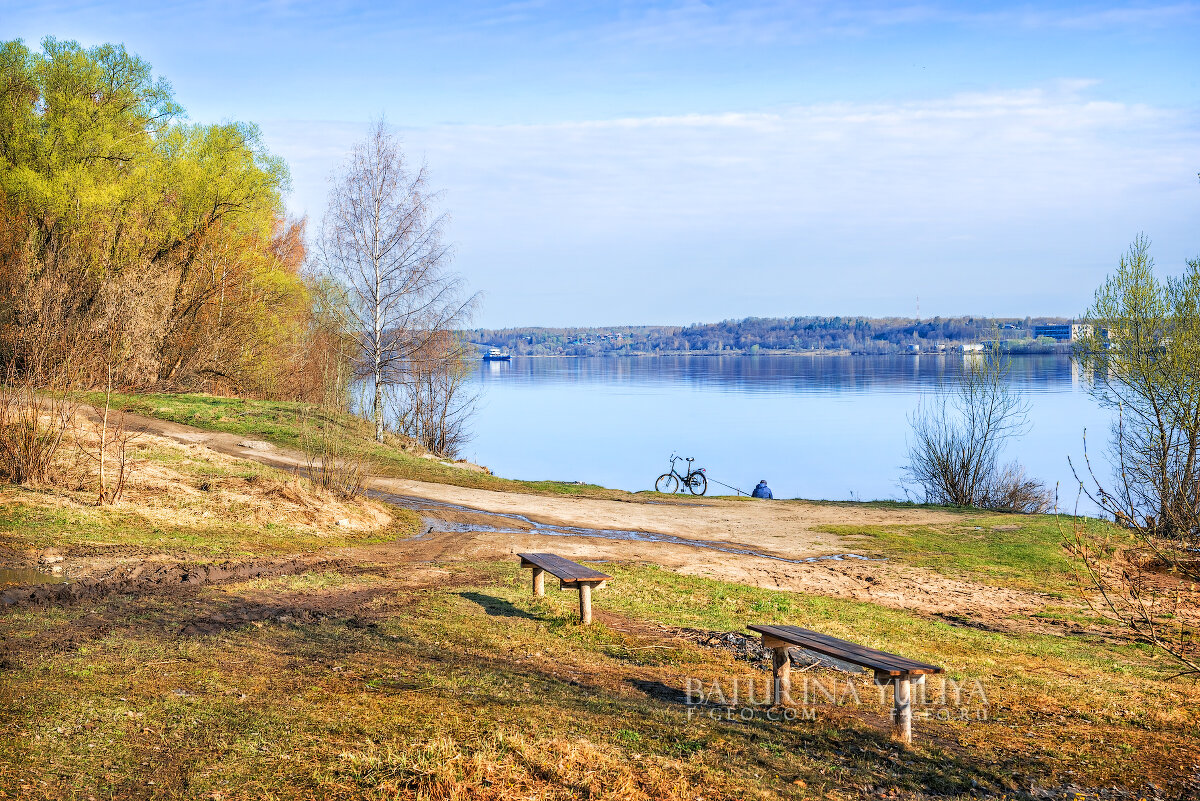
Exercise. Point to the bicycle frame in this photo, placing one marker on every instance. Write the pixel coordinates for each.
(684, 478)
(694, 480)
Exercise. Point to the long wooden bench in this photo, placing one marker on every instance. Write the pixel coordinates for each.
(571, 575)
(892, 669)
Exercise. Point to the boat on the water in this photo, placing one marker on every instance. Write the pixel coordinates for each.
(496, 355)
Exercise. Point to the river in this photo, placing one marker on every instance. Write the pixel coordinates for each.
(828, 427)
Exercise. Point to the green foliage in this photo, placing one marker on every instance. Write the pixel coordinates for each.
(1142, 357)
(76, 124)
(93, 149)
(137, 247)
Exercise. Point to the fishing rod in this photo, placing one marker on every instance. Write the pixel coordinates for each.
(723, 484)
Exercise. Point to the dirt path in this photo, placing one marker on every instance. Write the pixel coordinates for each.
(780, 534)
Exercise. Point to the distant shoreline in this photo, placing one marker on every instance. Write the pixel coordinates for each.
(1059, 351)
(785, 336)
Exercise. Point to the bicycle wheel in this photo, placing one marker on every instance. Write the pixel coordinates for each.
(667, 483)
(698, 483)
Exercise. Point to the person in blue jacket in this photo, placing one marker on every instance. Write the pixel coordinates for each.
(762, 490)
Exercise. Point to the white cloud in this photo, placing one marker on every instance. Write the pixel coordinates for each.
(1027, 176)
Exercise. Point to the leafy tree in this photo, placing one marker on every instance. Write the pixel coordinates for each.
(1143, 358)
(122, 225)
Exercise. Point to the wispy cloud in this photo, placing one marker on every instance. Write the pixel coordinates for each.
(1013, 180)
(732, 24)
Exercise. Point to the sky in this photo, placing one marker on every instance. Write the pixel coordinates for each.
(675, 162)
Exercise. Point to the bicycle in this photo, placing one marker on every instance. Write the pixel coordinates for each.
(694, 480)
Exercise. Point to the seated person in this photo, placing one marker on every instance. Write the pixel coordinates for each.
(762, 490)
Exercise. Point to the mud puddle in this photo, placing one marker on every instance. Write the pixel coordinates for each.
(512, 523)
(22, 577)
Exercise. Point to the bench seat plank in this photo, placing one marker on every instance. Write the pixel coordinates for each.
(879, 661)
(566, 570)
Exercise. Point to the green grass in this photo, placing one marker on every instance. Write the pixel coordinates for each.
(465, 685)
(441, 681)
(1020, 551)
(282, 423)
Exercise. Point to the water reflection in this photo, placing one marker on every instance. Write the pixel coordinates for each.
(21, 577)
(830, 427)
(859, 374)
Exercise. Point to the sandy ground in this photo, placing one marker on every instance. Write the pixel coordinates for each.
(789, 530)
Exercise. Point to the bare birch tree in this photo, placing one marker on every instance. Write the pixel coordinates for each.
(383, 238)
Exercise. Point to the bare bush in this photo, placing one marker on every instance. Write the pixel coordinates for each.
(32, 426)
(111, 452)
(331, 463)
(958, 435)
(1012, 490)
(1138, 591)
(437, 399)
(1146, 579)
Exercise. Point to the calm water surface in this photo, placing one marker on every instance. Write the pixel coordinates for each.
(827, 427)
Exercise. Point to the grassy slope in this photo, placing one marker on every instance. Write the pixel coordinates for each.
(1003, 550)
(461, 681)
(408, 685)
(282, 423)
(196, 506)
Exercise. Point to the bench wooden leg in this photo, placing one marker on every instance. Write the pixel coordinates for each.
(902, 709)
(585, 604)
(781, 669)
(539, 582)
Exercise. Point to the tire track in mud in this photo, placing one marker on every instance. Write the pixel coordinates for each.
(146, 577)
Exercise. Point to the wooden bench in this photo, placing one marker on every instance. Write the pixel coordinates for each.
(571, 575)
(892, 669)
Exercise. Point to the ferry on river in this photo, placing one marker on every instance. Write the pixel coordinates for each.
(496, 355)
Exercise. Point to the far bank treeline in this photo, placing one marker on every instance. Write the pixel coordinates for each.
(141, 250)
(879, 335)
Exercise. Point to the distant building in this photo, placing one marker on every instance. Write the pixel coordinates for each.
(1064, 332)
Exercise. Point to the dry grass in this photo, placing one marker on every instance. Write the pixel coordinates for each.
(443, 681)
(440, 682)
(189, 500)
(506, 764)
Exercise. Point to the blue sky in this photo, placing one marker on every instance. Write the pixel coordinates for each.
(676, 162)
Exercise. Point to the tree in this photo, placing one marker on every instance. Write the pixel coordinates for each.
(437, 399)
(1143, 357)
(959, 433)
(382, 237)
(117, 217)
(1143, 354)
